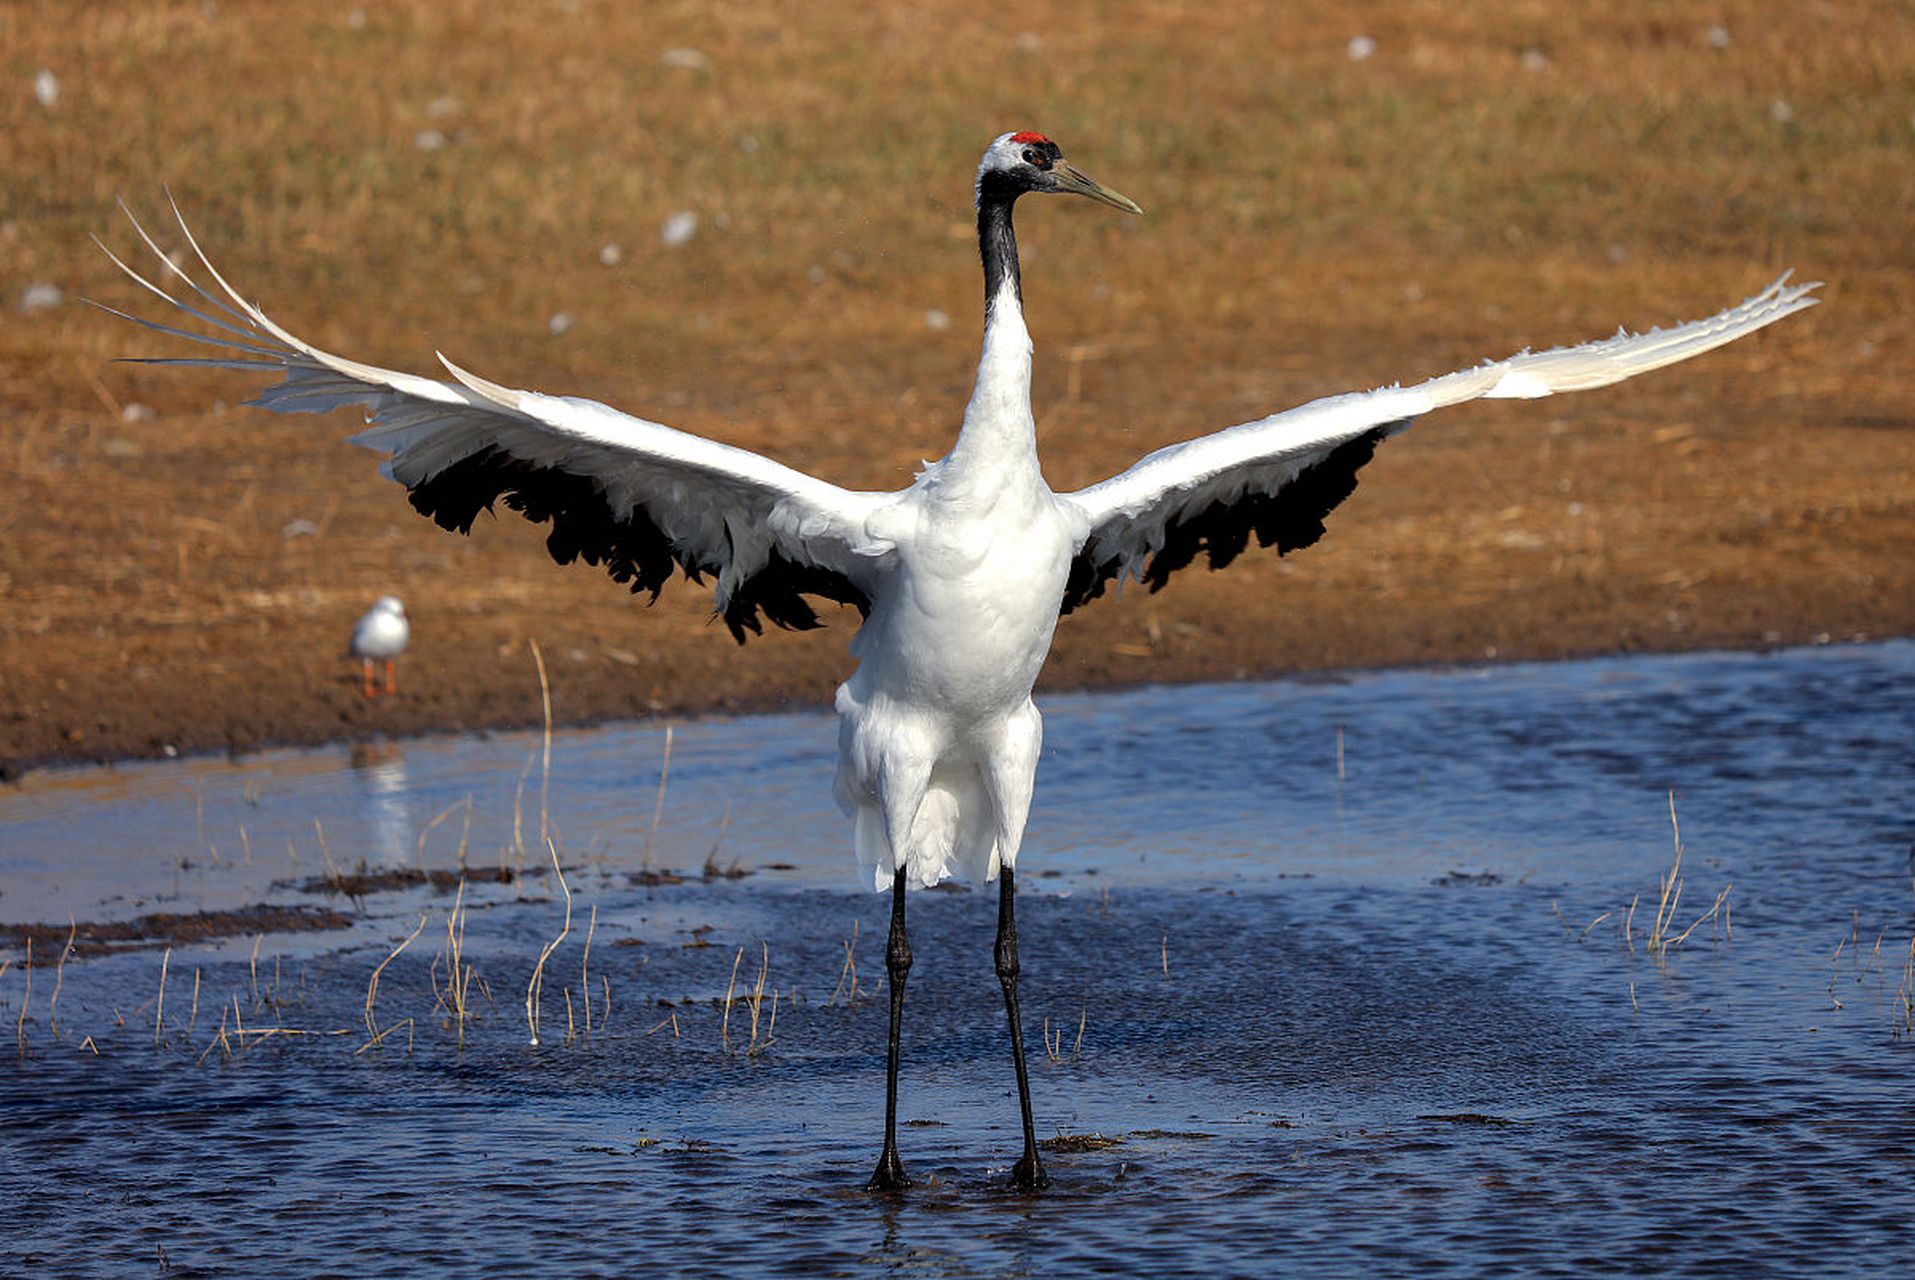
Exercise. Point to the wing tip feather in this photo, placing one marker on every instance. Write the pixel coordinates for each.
(504, 397)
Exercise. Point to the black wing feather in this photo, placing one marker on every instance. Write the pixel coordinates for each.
(1289, 519)
(632, 549)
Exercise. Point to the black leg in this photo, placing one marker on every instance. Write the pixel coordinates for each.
(897, 964)
(1028, 1173)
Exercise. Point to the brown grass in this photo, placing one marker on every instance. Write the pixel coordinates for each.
(1315, 224)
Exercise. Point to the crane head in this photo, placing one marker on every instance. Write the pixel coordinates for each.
(1020, 162)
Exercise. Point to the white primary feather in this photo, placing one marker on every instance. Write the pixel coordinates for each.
(724, 509)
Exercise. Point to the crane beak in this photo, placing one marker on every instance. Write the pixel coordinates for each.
(1069, 179)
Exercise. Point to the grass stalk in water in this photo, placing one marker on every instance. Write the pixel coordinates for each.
(850, 971)
(59, 972)
(756, 1002)
(533, 988)
(372, 983)
(20, 1024)
(585, 970)
(159, 1012)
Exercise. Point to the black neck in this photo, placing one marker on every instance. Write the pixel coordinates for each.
(996, 240)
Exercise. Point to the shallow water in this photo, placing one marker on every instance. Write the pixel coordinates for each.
(1338, 951)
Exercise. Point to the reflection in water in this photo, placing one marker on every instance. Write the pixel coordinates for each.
(380, 769)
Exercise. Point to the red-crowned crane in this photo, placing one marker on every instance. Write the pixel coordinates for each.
(961, 577)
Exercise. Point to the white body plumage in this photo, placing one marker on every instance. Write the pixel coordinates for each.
(383, 632)
(937, 736)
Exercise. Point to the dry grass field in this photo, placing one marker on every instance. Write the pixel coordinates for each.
(395, 177)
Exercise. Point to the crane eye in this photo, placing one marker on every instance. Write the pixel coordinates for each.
(1033, 159)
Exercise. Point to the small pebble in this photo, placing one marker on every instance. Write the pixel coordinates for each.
(686, 59)
(1361, 47)
(611, 255)
(429, 140)
(46, 88)
(40, 297)
(679, 228)
(561, 323)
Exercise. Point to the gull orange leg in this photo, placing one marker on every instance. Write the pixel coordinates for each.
(365, 684)
(391, 687)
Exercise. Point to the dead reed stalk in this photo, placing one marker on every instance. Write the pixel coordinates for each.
(1670, 886)
(1717, 909)
(533, 988)
(585, 970)
(1661, 939)
(724, 1026)
(253, 966)
(756, 1001)
(712, 869)
(59, 970)
(372, 983)
(850, 971)
(219, 1041)
(453, 999)
(1907, 992)
(159, 1013)
(380, 1038)
(441, 816)
(332, 868)
(1054, 1049)
(20, 1023)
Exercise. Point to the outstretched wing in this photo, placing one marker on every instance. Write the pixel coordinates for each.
(1280, 476)
(633, 496)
